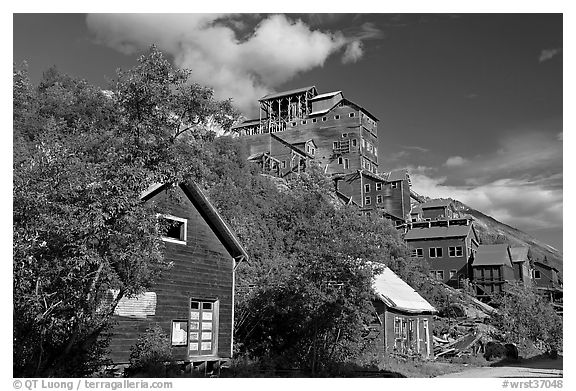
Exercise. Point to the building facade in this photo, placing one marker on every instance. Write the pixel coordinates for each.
(193, 301)
(298, 127)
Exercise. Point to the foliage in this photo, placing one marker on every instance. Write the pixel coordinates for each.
(527, 317)
(82, 157)
(151, 352)
(304, 299)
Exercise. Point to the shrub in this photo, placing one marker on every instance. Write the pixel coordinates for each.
(151, 353)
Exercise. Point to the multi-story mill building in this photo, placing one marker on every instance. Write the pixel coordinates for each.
(299, 126)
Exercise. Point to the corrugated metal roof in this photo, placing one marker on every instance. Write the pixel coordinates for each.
(453, 231)
(319, 112)
(397, 294)
(492, 254)
(519, 254)
(435, 203)
(286, 93)
(326, 95)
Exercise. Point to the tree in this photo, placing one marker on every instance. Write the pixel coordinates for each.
(526, 316)
(82, 157)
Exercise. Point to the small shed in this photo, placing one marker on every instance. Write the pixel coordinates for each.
(404, 317)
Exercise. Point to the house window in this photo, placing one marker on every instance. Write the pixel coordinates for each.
(452, 274)
(394, 185)
(293, 124)
(418, 252)
(323, 119)
(283, 163)
(537, 274)
(346, 164)
(369, 166)
(335, 145)
(455, 251)
(440, 275)
(312, 151)
(375, 151)
(340, 160)
(379, 199)
(344, 135)
(203, 328)
(397, 327)
(378, 186)
(432, 273)
(367, 200)
(176, 229)
(179, 332)
(303, 122)
(367, 188)
(351, 115)
(314, 120)
(435, 252)
(336, 117)
(363, 143)
(369, 147)
(354, 142)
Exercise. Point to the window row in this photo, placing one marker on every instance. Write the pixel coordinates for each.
(368, 199)
(366, 164)
(437, 252)
(379, 186)
(439, 274)
(324, 119)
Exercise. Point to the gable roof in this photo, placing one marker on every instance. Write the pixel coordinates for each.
(397, 294)
(396, 175)
(452, 231)
(545, 266)
(208, 212)
(492, 255)
(326, 95)
(519, 254)
(287, 93)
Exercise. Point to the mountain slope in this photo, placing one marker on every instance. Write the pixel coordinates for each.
(492, 231)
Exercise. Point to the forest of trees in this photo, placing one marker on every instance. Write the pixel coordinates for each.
(83, 155)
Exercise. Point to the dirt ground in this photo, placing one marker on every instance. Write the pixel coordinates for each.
(532, 367)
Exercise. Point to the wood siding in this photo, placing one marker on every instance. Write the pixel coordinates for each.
(202, 269)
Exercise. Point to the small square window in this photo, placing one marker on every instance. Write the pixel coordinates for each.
(194, 305)
(440, 275)
(303, 122)
(351, 115)
(336, 117)
(323, 119)
(344, 135)
(452, 274)
(293, 124)
(206, 306)
(394, 185)
(378, 186)
(314, 120)
(175, 229)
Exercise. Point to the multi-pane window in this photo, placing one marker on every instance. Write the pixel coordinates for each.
(418, 252)
(335, 145)
(367, 188)
(354, 142)
(394, 185)
(455, 251)
(203, 326)
(435, 252)
(379, 199)
(367, 200)
(378, 186)
(397, 328)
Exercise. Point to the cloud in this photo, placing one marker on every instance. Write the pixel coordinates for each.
(244, 65)
(455, 161)
(353, 52)
(518, 203)
(415, 147)
(547, 54)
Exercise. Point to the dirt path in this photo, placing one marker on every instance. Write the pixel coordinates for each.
(537, 367)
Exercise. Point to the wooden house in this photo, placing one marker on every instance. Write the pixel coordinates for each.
(547, 281)
(343, 141)
(492, 268)
(448, 246)
(404, 318)
(521, 265)
(193, 301)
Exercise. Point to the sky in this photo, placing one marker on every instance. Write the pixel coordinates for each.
(471, 103)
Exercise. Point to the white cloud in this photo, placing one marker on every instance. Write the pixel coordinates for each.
(273, 52)
(547, 54)
(455, 161)
(522, 204)
(353, 52)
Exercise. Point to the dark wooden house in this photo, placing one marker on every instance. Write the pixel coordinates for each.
(300, 126)
(448, 246)
(547, 281)
(492, 268)
(404, 318)
(193, 301)
(521, 265)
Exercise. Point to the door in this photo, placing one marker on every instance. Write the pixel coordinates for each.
(427, 336)
(203, 328)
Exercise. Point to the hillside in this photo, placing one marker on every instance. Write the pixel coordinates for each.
(492, 231)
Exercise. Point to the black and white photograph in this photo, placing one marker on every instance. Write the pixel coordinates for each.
(287, 195)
